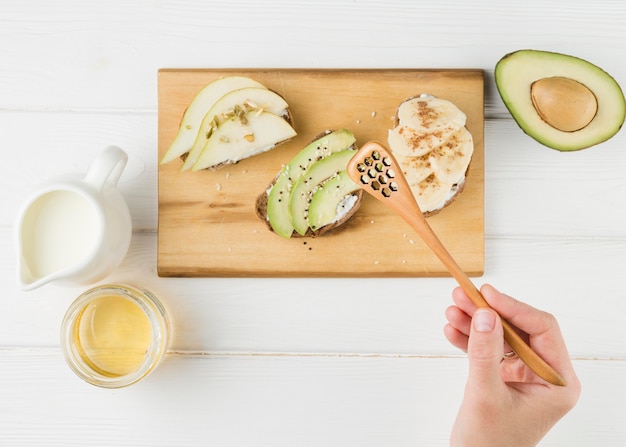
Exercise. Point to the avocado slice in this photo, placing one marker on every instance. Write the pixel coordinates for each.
(563, 102)
(304, 188)
(278, 197)
(332, 201)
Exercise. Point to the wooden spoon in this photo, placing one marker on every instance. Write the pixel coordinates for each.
(376, 171)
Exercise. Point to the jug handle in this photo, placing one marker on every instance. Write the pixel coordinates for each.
(107, 168)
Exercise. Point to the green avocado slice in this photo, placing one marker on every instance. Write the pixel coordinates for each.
(313, 180)
(328, 204)
(515, 74)
(278, 197)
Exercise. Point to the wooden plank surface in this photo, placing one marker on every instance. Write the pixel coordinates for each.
(207, 220)
(327, 400)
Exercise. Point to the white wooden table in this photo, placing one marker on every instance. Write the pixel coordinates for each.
(251, 362)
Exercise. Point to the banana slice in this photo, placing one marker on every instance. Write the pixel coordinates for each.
(449, 161)
(409, 142)
(431, 193)
(415, 169)
(428, 113)
(434, 149)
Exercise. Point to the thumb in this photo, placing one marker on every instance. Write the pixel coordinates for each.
(485, 348)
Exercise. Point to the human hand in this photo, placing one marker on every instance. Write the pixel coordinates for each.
(505, 403)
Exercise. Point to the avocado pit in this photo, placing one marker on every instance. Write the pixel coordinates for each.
(563, 103)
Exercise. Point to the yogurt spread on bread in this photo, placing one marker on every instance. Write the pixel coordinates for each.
(434, 149)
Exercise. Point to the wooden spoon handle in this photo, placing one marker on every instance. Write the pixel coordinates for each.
(517, 344)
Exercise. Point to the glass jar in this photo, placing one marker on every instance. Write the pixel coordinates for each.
(114, 335)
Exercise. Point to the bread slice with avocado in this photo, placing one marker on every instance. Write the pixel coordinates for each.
(312, 194)
(434, 149)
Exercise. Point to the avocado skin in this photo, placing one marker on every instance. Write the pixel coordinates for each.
(516, 71)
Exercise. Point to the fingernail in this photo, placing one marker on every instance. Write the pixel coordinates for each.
(484, 320)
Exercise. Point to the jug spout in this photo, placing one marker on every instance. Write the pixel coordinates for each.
(27, 281)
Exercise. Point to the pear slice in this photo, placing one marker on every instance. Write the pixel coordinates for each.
(238, 138)
(235, 103)
(197, 109)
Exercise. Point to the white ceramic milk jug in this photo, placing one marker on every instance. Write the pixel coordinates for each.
(73, 229)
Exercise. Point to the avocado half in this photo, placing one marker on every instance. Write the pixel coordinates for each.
(563, 102)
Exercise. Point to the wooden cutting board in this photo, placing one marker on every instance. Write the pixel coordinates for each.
(207, 221)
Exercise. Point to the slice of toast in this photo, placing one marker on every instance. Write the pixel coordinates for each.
(343, 215)
(434, 149)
